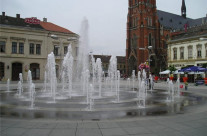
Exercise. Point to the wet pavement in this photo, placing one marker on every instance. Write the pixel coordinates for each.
(190, 121)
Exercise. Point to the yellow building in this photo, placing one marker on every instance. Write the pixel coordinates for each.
(26, 43)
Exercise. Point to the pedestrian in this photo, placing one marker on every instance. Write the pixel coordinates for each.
(186, 85)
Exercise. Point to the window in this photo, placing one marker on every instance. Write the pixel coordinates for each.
(199, 48)
(21, 48)
(38, 49)
(65, 49)
(206, 49)
(31, 48)
(175, 54)
(181, 53)
(2, 46)
(56, 48)
(1, 70)
(14, 47)
(150, 40)
(190, 52)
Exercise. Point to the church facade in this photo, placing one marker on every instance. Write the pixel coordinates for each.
(148, 31)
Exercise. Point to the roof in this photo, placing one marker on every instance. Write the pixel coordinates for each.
(53, 27)
(14, 21)
(175, 22)
(17, 21)
(193, 32)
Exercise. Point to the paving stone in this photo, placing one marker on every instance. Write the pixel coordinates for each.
(66, 125)
(88, 132)
(37, 132)
(113, 132)
(136, 130)
(128, 124)
(14, 131)
(45, 125)
(108, 125)
(25, 124)
(63, 132)
(87, 125)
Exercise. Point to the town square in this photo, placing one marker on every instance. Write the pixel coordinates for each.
(142, 73)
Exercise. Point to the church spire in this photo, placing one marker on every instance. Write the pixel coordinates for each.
(183, 9)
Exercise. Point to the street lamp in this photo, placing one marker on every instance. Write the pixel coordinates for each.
(148, 49)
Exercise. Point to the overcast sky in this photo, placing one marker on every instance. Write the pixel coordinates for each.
(107, 18)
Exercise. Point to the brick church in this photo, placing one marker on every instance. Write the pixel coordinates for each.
(148, 30)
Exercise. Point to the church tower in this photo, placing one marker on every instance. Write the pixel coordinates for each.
(183, 9)
(142, 33)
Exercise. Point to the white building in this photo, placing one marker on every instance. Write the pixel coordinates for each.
(26, 43)
(188, 48)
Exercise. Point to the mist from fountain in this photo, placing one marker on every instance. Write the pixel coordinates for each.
(8, 85)
(51, 75)
(33, 92)
(112, 71)
(178, 87)
(20, 85)
(83, 52)
(99, 74)
(133, 78)
(29, 83)
(67, 71)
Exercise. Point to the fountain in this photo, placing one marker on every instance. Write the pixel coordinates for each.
(99, 74)
(93, 96)
(67, 74)
(51, 75)
(8, 85)
(20, 85)
(133, 78)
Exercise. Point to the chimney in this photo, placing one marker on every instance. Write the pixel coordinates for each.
(3, 14)
(18, 16)
(44, 19)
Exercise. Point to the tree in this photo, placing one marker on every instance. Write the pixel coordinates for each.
(171, 68)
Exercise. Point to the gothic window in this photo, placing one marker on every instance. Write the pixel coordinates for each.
(182, 53)
(190, 52)
(150, 40)
(134, 42)
(175, 53)
(199, 50)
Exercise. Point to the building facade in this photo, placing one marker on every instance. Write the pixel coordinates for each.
(188, 48)
(25, 46)
(148, 31)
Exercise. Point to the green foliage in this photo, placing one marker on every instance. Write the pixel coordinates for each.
(171, 68)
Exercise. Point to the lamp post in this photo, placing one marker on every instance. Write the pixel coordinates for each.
(149, 55)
